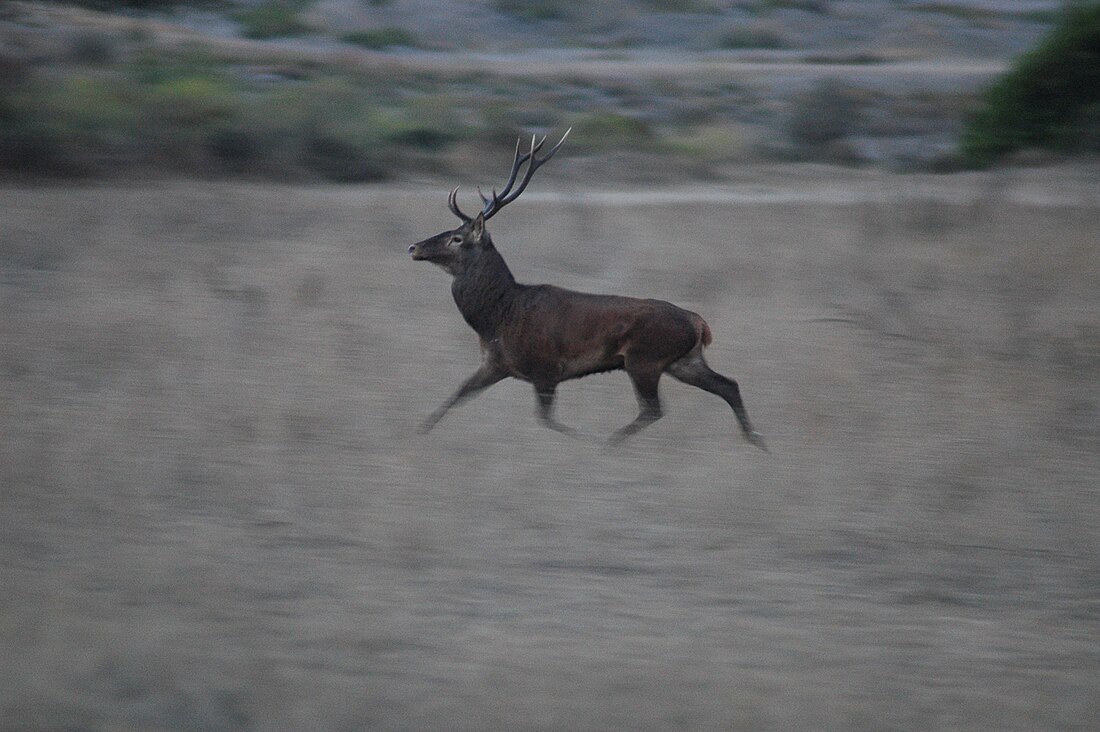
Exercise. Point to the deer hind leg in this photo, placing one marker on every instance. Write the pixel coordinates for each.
(692, 369)
(545, 394)
(482, 379)
(645, 378)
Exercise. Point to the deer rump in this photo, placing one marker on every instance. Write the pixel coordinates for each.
(556, 334)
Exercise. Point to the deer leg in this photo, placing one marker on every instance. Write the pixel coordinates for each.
(481, 379)
(545, 394)
(692, 369)
(645, 386)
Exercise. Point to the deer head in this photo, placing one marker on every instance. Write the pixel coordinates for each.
(453, 250)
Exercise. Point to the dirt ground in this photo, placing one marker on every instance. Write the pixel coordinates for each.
(216, 513)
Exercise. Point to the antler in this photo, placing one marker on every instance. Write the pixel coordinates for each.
(499, 200)
(452, 203)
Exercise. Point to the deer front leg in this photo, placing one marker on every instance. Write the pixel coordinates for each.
(489, 374)
(545, 394)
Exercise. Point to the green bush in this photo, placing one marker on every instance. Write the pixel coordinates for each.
(273, 19)
(186, 116)
(609, 130)
(1049, 99)
(64, 126)
(191, 101)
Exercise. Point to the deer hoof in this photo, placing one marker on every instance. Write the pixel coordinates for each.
(757, 439)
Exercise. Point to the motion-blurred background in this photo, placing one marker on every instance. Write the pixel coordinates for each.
(215, 512)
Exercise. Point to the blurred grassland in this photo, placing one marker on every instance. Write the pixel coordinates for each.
(217, 513)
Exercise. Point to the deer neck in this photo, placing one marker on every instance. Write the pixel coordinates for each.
(484, 290)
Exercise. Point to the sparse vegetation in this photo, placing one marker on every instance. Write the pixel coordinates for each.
(141, 98)
(200, 116)
(809, 6)
(828, 112)
(747, 36)
(963, 12)
(680, 6)
(717, 142)
(1041, 16)
(536, 9)
(380, 38)
(603, 131)
(273, 19)
(145, 5)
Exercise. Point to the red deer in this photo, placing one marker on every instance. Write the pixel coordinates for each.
(546, 335)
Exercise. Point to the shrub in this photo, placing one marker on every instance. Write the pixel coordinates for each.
(961, 12)
(536, 9)
(338, 159)
(828, 112)
(192, 100)
(91, 48)
(681, 6)
(716, 141)
(31, 146)
(379, 38)
(62, 126)
(273, 19)
(421, 128)
(110, 5)
(749, 37)
(1048, 99)
(607, 130)
(821, 7)
(237, 149)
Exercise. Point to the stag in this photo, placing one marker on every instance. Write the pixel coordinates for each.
(545, 335)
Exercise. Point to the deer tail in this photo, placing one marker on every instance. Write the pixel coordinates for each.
(704, 332)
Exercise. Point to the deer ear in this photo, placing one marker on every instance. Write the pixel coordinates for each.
(477, 229)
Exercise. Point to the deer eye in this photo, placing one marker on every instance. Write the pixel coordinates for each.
(456, 239)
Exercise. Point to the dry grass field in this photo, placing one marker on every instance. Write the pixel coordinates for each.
(216, 512)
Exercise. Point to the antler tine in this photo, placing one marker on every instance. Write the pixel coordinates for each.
(517, 162)
(452, 203)
(506, 195)
(555, 148)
